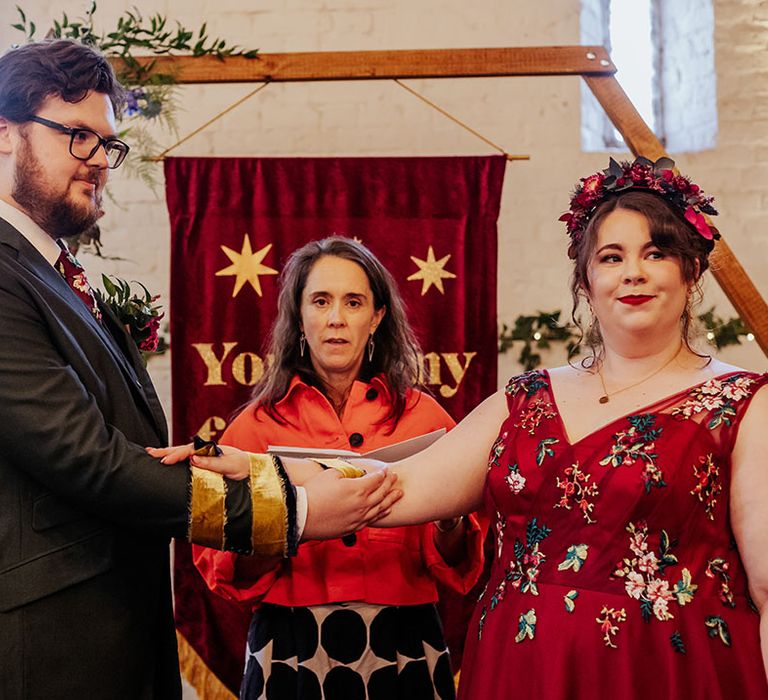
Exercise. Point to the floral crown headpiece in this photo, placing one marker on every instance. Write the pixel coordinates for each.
(659, 178)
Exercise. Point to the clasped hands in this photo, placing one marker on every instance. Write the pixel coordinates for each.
(335, 506)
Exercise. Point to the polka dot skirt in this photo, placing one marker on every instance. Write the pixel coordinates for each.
(347, 651)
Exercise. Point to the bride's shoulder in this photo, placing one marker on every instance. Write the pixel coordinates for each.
(570, 375)
(569, 371)
(718, 367)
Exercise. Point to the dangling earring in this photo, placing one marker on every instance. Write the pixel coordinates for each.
(592, 319)
(685, 318)
(371, 346)
(302, 343)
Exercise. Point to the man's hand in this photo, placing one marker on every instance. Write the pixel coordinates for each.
(337, 506)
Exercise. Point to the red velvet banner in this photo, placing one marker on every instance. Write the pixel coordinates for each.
(234, 221)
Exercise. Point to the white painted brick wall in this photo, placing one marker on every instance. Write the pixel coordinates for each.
(538, 116)
(687, 64)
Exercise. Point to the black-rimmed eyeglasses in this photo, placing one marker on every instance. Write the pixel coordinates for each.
(83, 143)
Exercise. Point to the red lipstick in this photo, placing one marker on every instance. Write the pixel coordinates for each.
(635, 299)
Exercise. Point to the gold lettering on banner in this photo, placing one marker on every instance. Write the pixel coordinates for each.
(213, 363)
(456, 370)
(247, 368)
(211, 428)
(431, 364)
(430, 367)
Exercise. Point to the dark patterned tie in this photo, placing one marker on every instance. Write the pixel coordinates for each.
(72, 271)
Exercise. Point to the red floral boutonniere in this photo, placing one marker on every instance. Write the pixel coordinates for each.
(137, 311)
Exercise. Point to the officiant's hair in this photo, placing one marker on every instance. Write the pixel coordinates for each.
(397, 351)
(31, 73)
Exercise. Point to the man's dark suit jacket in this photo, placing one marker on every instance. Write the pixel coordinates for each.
(85, 514)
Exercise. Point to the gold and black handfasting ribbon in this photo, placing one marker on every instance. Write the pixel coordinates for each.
(207, 511)
(271, 496)
(345, 468)
(271, 502)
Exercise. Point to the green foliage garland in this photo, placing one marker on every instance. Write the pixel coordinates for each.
(542, 330)
(151, 35)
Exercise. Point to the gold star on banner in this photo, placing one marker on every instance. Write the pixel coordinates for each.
(431, 272)
(246, 266)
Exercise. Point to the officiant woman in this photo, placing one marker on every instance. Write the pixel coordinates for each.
(354, 613)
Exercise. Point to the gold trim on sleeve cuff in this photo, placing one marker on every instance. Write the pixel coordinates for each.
(208, 514)
(347, 470)
(269, 531)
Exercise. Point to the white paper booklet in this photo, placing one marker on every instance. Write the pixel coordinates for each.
(390, 453)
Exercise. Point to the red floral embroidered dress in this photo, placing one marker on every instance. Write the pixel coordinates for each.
(615, 572)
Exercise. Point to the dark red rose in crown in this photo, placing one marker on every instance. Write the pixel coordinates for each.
(591, 191)
(682, 184)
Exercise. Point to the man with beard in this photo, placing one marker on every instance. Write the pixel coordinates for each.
(85, 513)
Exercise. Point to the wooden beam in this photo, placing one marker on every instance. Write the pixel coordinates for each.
(728, 272)
(591, 62)
(381, 65)
(620, 110)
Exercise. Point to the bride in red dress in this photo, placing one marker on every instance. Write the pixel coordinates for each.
(627, 492)
(629, 496)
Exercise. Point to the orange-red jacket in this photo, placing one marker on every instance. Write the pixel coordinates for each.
(393, 566)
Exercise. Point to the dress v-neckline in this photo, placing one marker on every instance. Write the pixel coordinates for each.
(641, 409)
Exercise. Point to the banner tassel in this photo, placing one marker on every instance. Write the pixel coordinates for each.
(195, 671)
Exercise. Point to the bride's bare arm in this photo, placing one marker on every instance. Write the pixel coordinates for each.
(749, 494)
(447, 478)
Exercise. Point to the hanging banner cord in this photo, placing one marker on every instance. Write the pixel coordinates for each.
(458, 121)
(162, 155)
(439, 109)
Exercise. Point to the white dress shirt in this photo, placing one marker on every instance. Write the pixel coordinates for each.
(45, 245)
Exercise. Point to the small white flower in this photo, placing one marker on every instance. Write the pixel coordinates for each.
(712, 387)
(711, 403)
(659, 588)
(648, 563)
(634, 585)
(661, 609)
(516, 481)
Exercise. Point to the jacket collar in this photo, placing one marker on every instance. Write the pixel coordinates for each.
(358, 388)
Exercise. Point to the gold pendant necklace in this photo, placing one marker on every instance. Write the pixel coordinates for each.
(605, 398)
